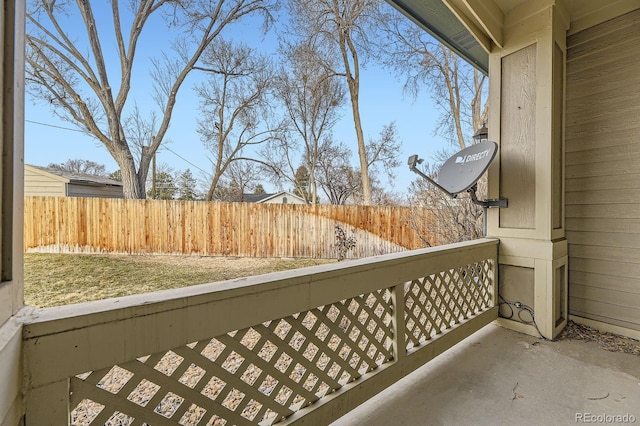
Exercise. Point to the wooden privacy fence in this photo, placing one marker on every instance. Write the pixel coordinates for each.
(100, 225)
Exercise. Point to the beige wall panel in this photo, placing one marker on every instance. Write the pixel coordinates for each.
(588, 137)
(531, 249)
(614, 254)
(615, 11)
(627, 151)
(588, 237)
(622, 211)
(606, 295)
(625, 284)
(606, 117)
(614, 270)
(618, 327)
(601, 121)
(605, 312)
(560, 295)
(604, 168)
(610, 91)
(516, 284)
(604, 224)
(629, 181)
(599, 42)
(610, 197)
(622, 55)
(557, 182)
(603, 171)
(517, 139)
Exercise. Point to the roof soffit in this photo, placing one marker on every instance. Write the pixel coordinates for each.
(450, 26)
(473, 27)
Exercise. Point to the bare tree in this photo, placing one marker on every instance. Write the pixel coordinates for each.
(384, 197)
(241, 176)
(456, 87)
(234, 104)
(281, 159)
(85, 88)
(338, 179)
(140, 131)
(384, 151)
(340, 30)
(341, 182)
(77, 165)
(311, 99)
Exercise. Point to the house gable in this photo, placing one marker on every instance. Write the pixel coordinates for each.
(283, 198)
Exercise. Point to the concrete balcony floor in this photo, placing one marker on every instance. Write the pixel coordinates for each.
(501, 377)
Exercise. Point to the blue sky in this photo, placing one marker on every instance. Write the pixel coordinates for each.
(381, 101)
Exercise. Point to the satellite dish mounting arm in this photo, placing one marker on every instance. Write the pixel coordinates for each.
(413, 161)
(492, 203)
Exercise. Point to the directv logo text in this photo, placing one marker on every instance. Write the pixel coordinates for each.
(472, 157)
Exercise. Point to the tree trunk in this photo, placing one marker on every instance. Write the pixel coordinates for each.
(354, 92)
(313, 186)
(213, 186)
(132, 188)
(362, 154)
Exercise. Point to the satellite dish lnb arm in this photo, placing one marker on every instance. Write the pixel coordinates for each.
(413, 161)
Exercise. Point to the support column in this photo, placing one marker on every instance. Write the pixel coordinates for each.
(526, 99)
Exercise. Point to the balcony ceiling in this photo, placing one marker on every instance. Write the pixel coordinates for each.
(473, 27)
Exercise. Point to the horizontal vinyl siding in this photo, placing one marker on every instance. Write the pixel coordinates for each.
(50, 189)
(603, 312)
(601, 280)
(622, 211)
(76, 190)
(603, 171)
(38, 184)
(608, 296)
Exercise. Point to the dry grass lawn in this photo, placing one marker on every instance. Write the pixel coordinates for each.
(61, 279)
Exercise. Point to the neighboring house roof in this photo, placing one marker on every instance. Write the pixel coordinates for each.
(254, 198)
(263, 198)
(77, 178)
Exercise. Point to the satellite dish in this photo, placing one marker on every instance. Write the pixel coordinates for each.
(461, 172)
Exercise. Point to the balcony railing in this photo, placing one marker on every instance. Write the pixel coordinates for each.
(306, 345)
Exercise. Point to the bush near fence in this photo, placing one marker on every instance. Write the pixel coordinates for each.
(100, 225)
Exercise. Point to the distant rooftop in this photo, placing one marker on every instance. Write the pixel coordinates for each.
(79, 178)
(255, 198)
(261, 198)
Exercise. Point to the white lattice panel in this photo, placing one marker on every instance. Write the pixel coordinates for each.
(440, 301)
(258, 375)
